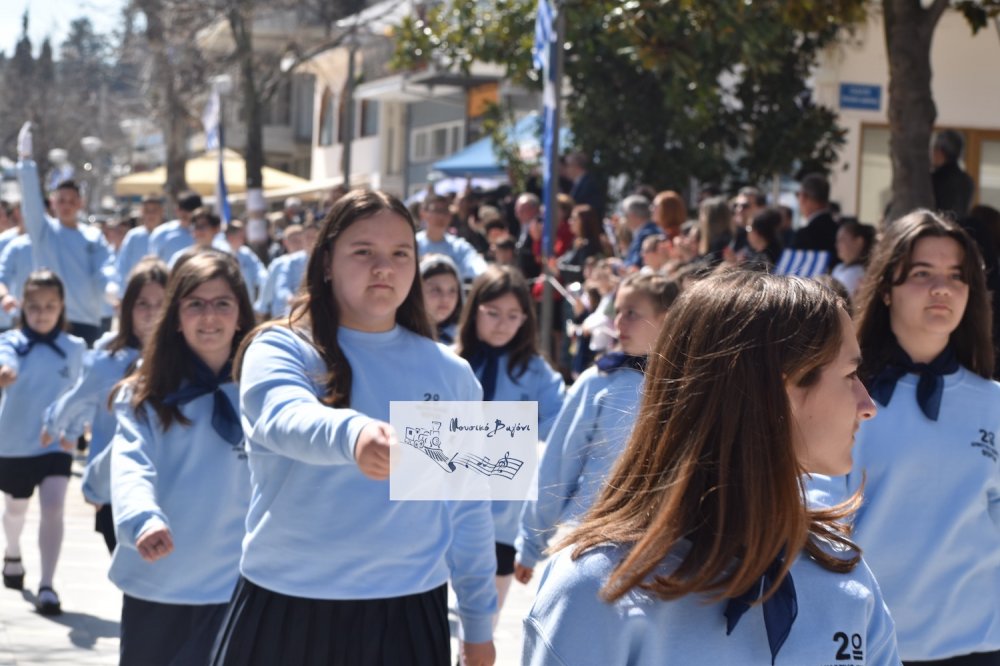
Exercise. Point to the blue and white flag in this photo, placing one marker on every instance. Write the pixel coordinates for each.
(544, 36)
(214, 140)
(545, 57)
(803, 263)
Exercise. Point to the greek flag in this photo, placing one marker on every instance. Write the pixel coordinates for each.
(543, 54)
(211, 119)
(803, 263)
(544, 36)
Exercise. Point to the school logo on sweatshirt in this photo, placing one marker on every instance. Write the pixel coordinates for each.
(849, 649)
(987, 445)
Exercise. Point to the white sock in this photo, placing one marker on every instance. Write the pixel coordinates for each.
(52, 497)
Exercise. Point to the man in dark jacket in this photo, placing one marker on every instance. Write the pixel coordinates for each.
(953, 188)
(820, 230)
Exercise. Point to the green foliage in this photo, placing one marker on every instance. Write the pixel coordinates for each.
(663, 90)
(978, 12)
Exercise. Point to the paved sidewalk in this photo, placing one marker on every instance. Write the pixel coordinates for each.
(86, 634)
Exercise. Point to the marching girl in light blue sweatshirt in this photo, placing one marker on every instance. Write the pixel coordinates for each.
(87, 401)
(332, 571)
(700, 548)
(930, 522)
(498, 336)
(180, 485)
(38, 361)
(596, 420)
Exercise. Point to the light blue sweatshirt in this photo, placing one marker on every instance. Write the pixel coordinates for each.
(15, 267)
(42, 376)
(168, 239)
(541, 384)
(470, 263)
(930, 522)
(77, 256)
(193, 482)
(134, 247)
(588, 437)
(284, 276)
(253, 270)
(318, 528)
(841, 620)
(7, 320)
(87, 402)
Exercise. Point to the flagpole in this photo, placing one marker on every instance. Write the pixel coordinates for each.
(551, 103)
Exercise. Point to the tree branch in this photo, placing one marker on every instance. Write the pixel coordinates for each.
(935, 11)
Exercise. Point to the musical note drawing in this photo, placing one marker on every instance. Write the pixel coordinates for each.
(506, 467)
(428, 441)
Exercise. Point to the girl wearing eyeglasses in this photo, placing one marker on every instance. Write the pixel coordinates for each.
(497, 335)
(180, 485)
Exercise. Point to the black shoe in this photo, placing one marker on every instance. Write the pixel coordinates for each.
(12, 581)
(48, 601)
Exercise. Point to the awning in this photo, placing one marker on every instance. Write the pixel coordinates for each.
(479, 158)
(202, 174)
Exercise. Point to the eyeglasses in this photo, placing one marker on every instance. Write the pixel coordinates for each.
(202, 226)
(494, 315)
(740, 205)
(195, 307)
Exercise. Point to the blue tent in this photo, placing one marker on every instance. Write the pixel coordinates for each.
(478, 158)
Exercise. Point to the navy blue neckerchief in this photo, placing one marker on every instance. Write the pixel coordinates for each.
(486, 365)
(780, 610)
(614, 360)
(203, 381)
(444, 337)
(33, 338)
(930, 386)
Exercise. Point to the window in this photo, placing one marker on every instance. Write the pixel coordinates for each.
(369, 118)
(326, 118)
(436, 141)
(875, 175)
(342, 116)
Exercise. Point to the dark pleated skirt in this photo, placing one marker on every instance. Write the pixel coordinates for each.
(155, 634)
(266, 628)
(104, 524)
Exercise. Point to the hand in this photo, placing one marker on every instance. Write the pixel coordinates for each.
(478, 654)
(8, 303)
(372, 449)
(523, 574)
(24, 147)
(67, 445)
(8, 376)
(155, 543)
(46, 438)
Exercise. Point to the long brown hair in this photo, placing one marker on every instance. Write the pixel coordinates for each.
(148, 271)
(711, 459)
(315, 307)
(495, 282)
(890, 265)
(166, 360)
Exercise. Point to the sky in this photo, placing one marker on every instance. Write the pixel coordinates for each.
(51, 18)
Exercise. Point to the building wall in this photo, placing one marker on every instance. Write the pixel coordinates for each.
(442, 115)
(966, 91)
